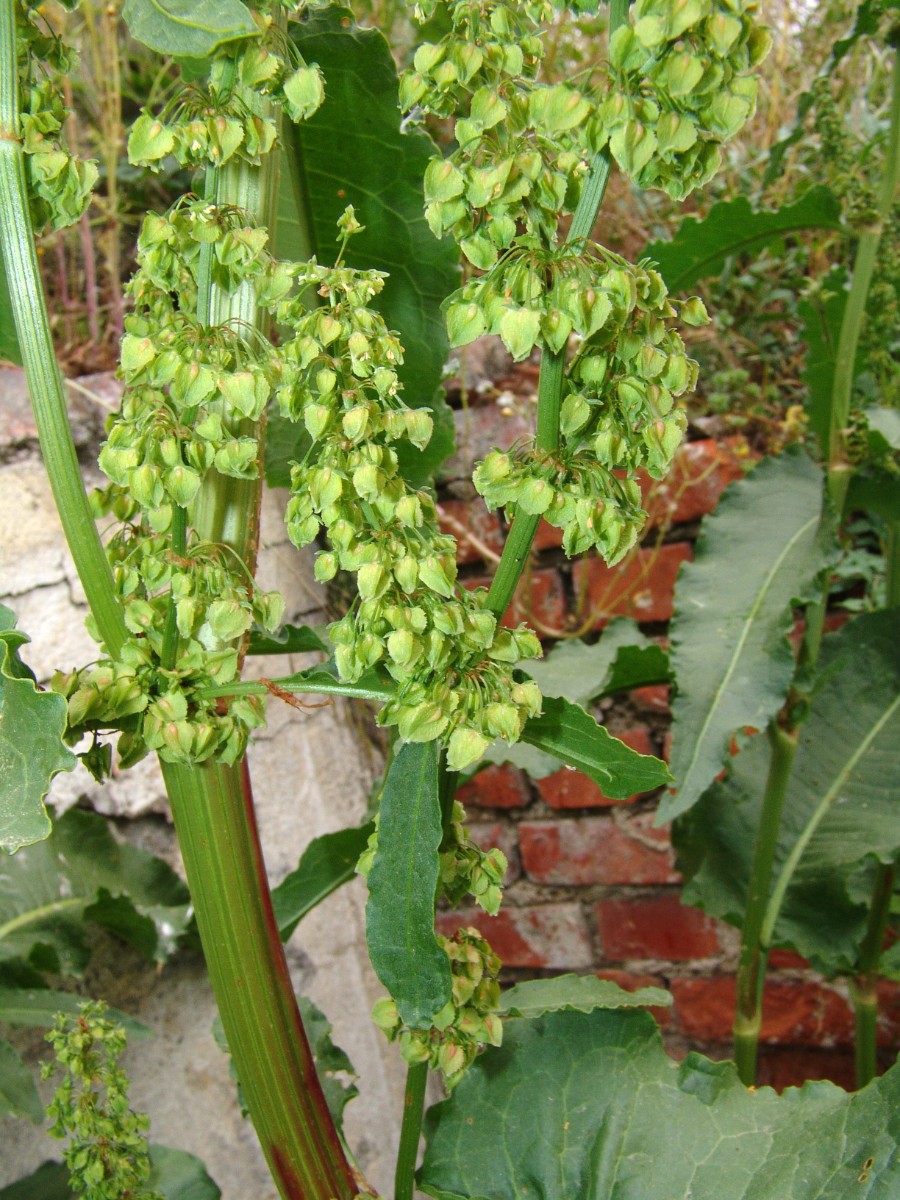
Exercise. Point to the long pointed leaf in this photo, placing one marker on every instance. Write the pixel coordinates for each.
(327, 862)
(758, 552)
(570, 734)
(402, 886)
(188, 28)
(18, 1094)
(701, 247)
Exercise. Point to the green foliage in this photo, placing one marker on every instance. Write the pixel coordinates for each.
(332, 1064)
(175, 1174)
(39, 1007)
(840, 808)
(822, 312)
(575, 993)
(402, 882)
(107, 1153)
(188, 28)
(82, 874)
(702, 246)
(18, 1093)
(761, 550)
(327, 862)
(32, 723)
(623, 658)
(9, 343)
(590, 1105)
(573, 736)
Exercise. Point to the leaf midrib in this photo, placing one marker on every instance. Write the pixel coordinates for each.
(745, 633)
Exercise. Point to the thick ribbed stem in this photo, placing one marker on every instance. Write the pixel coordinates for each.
(45, 382)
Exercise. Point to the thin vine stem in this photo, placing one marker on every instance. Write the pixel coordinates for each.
(410, 1131)
(42, 373)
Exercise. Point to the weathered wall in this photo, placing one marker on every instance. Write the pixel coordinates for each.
(311, 773)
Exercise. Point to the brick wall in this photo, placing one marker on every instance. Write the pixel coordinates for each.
(592, 884)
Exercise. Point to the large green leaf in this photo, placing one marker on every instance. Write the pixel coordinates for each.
(81, 873)
(18, 1094)
(9, 342)
(176, 1174)
(701, 246)
(575, 993)
(355, 150)
(623, 658)
(589, 1107)
(840, 812)
(327, 862)
(570, 734)
(188, 28)
(759, 551)
(32, 751)
(402, 886)
(36, 1008)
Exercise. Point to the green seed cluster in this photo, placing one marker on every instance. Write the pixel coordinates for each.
(467, 870)
(620, 413)
(681, 88)
(212, 124)
(107, 1156)
(521, 145)
(451, 660)
(59, 184)
(466, 1024)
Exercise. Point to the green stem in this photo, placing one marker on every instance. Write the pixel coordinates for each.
(753, 956)
(410, 1130)
(864, 986)
(45, 382)
(169, 653)
(213, 811)
(855, 311)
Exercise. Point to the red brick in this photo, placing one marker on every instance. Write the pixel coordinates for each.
(548, 935)
(794, 1012)
(548, 537)
(496, 786)
(642, 586)
(596, 850)
(479, 430)
(653, 698)
(654, 927)
(781, 1067)
(631, 982)
(700, 473)
(488, 835)
(786, 959)
(574, 789)
(461, 519)
(540, 597)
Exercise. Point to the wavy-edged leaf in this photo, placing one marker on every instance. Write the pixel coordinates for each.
(327, 862)
(701, 246)
(36, 1008)
(81, 873)
(623, 658)
(757, 553)
(289, 639)
(332, 1064)
(571, 735)
(403, 880)
(9, 342)
(575, 993)
(376, 163)
(188, 28)
(18, 1094)
(32, 751)
(580, 1106)
(840, 812)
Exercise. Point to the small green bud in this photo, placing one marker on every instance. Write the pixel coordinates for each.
(385, 1015)
(465, 747)
(326, 566)
(303, 93)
